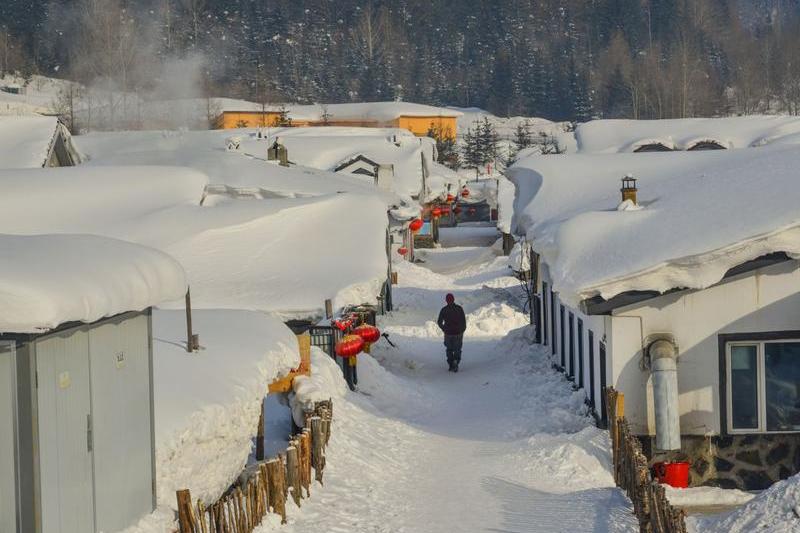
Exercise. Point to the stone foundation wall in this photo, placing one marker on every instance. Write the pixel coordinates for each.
(746, 462)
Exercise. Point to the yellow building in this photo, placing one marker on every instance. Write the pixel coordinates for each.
(418, 119)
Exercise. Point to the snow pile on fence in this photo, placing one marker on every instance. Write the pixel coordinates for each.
(25, 140)
(689, 232)
(207, 403)
(776, 510)
(324, 383)
(48, 280)
(610, 136)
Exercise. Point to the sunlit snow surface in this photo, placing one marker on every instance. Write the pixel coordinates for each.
(702, 213)
(504, 445)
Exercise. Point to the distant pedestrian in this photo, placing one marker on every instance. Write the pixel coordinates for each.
(453, 323)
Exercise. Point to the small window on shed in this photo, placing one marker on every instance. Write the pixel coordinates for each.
(653, 147)
(705, 145)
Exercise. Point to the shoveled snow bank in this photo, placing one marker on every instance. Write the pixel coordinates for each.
(48, 280)
(207, 403)
(776, 510)
(324, 383)
(706, 496)
(609, 136)
(25, 140)
(505, 205)
(566, 206)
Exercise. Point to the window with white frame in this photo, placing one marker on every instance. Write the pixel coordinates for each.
(763, 386)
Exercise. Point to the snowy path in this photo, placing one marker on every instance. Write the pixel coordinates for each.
(503, 446)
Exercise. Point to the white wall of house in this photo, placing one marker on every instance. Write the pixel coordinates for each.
(595, 327)
(763, 300)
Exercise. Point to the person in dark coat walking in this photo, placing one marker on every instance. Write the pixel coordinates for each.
(453, 323)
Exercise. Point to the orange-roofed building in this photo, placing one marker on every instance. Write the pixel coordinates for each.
(417, 118)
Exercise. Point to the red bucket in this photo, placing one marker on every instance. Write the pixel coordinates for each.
(673, 474)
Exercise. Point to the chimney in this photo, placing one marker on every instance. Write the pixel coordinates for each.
(629, 189)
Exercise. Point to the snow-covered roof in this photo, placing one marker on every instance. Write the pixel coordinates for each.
(326, 148)
(238, 253)
(25, 140)
(366, 111)
(49, 280)
(612, 136)
(701, 214)
(245, 169)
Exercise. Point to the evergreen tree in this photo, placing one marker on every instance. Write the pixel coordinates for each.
(523, 136)
(488, 141)
(446, 151)
(471, 149)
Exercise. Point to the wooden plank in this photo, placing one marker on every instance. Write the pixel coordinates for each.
(276, 488)
(293, 472)
(184, 511)
(317, 447)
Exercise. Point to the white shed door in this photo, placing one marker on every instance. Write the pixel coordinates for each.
(65, 459)
(8, 477)
(123, 460)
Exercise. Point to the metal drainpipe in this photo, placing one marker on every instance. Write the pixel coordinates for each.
(664, 369)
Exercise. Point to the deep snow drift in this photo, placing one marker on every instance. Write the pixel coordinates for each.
(278, 255)
(207, 403)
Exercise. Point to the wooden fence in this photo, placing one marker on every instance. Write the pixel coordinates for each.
(267, 485)
(632, 474)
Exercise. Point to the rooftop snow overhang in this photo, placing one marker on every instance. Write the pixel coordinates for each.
(597, 305)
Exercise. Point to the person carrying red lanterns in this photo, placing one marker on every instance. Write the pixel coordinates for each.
(453, 324)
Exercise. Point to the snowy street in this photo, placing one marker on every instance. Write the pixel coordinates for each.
(503, 445)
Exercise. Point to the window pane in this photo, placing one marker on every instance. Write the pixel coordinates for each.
(782, 377)
(744, 387)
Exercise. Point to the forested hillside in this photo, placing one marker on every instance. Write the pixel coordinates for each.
(568, 59)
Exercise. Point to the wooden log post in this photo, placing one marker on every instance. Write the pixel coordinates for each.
(265, 496)
(260, 434)
(317, 447)
(189, 340)
(184, 511)
(305, 460)
(293, 471)
(276, 488)
(201, 512)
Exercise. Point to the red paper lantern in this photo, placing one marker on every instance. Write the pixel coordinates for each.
(402, 250)
(349, 346)
(445, 209)
(450, 198)
(367, 332)
(436, 211)
(342, 325)
(416, 225)
(464, 193)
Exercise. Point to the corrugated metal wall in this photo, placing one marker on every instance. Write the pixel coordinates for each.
(120, 372)
(64, 455)
(8, 478)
